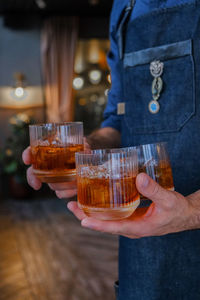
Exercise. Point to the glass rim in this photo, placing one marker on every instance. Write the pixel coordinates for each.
(107, 151)
(55, 124)
(151, 144)
(141, 145)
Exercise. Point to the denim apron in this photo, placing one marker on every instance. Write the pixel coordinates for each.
(166, 267)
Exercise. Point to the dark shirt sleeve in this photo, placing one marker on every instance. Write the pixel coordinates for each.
(111, 119)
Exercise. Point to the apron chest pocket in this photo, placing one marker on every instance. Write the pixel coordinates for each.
(177, 102)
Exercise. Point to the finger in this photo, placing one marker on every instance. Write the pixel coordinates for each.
(103, 226)
(33, 181)
(114, 227)
(73, 207)
(66, 194)
(26, 156)
(133, 227)
(86, 145)
(153, 191)
(61, 186)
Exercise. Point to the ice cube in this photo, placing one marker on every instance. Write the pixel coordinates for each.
(94, 172)
(43, 142)
(150, 162)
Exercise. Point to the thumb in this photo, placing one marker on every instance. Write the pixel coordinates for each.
(153, 191)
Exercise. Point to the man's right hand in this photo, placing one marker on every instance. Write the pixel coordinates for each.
(62, 189)
(106, 137)
(31, 178)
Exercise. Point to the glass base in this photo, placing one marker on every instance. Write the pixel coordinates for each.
(54, 177)
(110, 213)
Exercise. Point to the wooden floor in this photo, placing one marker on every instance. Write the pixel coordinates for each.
(46, 255)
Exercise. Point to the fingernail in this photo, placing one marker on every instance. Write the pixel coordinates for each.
(85, 223)
(69, 206)
(145, 181)
(37, 187)
(32, 183)
(35, 184)
(58, 195)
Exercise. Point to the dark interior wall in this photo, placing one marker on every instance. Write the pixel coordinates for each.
(94, 27)
(19, 52)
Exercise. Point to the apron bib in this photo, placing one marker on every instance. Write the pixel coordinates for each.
(168, 267)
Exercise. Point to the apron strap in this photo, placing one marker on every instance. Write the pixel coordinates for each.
(130, 5)
(123, 22)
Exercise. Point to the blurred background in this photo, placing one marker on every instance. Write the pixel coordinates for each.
(52, 68)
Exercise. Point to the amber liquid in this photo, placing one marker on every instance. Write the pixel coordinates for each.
(162, 174)
(53, 163)
(106, 198)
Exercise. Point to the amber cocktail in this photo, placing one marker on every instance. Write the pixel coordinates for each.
(53, 148)
(106, 183)
(153, 159)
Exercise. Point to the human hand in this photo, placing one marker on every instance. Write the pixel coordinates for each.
(33, 181)
(63, 189)
(169, 212)
(67, 189)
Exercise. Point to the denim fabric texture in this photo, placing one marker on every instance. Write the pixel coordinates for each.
(167, 267)
(178, 85)
(164, 53)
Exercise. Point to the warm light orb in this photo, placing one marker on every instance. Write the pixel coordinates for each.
(94, 98)
(109, 78)
(95, 76)
(78, 83)
(106, 92)
(82, 102)
(19, 92)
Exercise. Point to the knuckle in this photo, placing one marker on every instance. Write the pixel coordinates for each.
(154, 190)
(170, 202)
